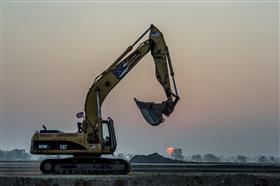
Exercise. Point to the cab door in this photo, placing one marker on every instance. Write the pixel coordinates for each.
(109, 138)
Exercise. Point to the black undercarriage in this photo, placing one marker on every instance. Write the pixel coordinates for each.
(85, 165)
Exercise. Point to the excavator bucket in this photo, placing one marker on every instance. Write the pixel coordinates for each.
(152, 112)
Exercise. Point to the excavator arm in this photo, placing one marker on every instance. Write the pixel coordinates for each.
(105, 82)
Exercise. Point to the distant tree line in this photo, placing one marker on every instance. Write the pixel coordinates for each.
(209, 157)
(16, 154)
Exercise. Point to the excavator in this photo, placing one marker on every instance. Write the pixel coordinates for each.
(96, 136)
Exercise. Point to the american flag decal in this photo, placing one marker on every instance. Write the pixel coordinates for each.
(120, 70)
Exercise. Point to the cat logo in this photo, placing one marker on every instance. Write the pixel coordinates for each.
(63, 146)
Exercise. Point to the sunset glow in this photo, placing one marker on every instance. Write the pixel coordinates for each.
(225, 57)
(170, 150)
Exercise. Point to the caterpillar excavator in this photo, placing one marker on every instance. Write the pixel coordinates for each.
(96, 136)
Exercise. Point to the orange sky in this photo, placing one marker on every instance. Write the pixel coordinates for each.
(225, 57)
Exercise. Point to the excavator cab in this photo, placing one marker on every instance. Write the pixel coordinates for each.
(109, 137)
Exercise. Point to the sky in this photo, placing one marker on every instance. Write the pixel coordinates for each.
(225, 57)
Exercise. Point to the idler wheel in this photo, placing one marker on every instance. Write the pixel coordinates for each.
(47, 167)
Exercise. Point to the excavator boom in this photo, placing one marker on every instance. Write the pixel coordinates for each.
(105, 82)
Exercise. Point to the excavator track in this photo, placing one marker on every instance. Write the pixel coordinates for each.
(85, 165)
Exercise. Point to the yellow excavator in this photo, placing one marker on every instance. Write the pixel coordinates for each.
(95, 136)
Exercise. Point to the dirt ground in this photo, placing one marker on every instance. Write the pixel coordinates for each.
(145, 179)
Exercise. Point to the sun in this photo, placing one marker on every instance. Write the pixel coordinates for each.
(170, 150)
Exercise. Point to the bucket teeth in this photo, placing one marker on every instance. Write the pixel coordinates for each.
(152, 112)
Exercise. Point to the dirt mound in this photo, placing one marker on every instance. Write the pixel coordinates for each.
(153, 158)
